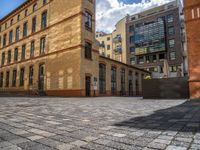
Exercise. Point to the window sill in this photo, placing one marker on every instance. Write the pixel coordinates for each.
(90, 59)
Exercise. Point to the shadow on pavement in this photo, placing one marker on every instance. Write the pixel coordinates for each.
(183, 118)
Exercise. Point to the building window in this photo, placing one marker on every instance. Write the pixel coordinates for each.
(198, 12)
(32, 49)
(4, 39)
(132, 50)
(173, 68)
(102, 78)
(141, 59)
(1, 79)
(6, 25)
(88, 50)
(42, 45)
(108, 47)
(10, 37)
(192, 11)
(148, 59)
(16, 54)
(7, 78)
(122, 92)
(131, 28)
(9, 56)
(161, 69)
(171, 43)
(154, 58)
(44, 20)
(171, 30)
(31, 75)
(25, 29)
(18, 17)
(21, 82)
(170, 18)
(44, 2)
(131, 39)
(26, 12)
(108, 38)
(34, 7)
(14, 78)
(17, 34)
(88, 20)
(161, 57)
(11, 22)
(113, 80)
(33, 24)
(0, 41)
(3, 58)
(172, 55)
(23, 56)
(132, 61)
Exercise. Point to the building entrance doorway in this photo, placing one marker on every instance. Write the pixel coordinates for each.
(41, 78)
(87, 86)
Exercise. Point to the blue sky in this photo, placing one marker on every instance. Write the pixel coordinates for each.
(7, 6)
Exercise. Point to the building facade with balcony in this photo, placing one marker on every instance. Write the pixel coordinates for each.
(155, 35)
(113, 45)
(192, 23)
(49, 47)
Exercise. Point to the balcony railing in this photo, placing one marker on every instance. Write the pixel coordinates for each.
(117, 39)
(118, 49)
(147, 50)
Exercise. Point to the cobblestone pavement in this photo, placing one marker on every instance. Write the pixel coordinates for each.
(98, 124)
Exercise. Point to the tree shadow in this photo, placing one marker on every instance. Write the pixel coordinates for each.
(183, 118)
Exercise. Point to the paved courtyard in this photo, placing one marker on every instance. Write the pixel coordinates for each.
(98, 124)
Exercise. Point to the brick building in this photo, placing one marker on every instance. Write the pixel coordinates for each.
(49, 46)
(192, 21)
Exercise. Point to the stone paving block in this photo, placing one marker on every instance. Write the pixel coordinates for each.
(78, 143)
(19, 140)
(5, 144)
(157, 145)
(176, 148)
(119, 135)
(13, 147)
(53, 123)
(35, 137)
(40, 147)
(162, 141)
(49, 142)
(187, 140)
(41, 132)
(165, 137)
(90, 138)
(180, 143)
(93, 146)
(65, 147)
(195, 146)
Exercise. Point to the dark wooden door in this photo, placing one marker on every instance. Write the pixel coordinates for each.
(87, 86)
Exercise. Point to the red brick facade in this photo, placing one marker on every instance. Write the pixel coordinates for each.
(192, 21)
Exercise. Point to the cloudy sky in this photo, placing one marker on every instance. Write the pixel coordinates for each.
(108, 11)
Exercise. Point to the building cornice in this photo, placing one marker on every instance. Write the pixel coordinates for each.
(124, 64)
(16, 11)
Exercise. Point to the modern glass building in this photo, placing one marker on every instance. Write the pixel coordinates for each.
(155, 35)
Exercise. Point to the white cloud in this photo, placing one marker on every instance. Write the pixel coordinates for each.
(111, 11)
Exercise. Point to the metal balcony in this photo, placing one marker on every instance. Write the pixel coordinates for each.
(118, 49)
(117, 39)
